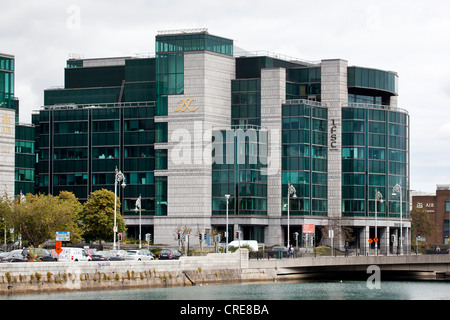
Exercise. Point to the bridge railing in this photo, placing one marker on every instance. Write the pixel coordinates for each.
(352, 251)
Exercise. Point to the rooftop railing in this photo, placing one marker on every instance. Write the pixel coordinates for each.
(69, 106)
(375, 106)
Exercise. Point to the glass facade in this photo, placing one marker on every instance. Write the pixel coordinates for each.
(81, 156)
(239, 156)
(246, 102)
(372, 79)
(304, 157)
(7, 82)
(375, 153)
(24, 159)
(169, 78)
(303, 83)
(371, 86)
(193, 42)
(103, 119)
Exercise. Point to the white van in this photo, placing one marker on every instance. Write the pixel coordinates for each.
(73, 254)
(253, 244)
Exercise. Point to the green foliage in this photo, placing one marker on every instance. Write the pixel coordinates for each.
(323, 251)
(421, 224)
(39, 217)
(97, 216)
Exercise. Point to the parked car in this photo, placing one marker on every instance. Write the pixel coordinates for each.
(73, 254)
(90, 252)
(38, 254)
(54, 254)
(119, 255)
(278, 252)
(170, 254)
(13, 256)
(103, 255)
(139, 254)
(109, 255)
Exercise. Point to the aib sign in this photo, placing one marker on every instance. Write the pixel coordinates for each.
(333, 136)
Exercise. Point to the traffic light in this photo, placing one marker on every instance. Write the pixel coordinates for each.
(200, 236)
(237, 234)
(179, 235)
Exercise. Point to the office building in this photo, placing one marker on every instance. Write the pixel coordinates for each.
(198, 121)
(16, 139)
(438, 208)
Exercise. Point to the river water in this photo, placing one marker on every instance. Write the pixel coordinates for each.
(292, 290)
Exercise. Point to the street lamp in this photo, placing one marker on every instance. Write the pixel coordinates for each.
(291, 190)
(227, 197)
(398, 189)
(136, 206)
(378, 196)
(119, 177)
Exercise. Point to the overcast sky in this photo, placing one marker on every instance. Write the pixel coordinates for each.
(409, 37)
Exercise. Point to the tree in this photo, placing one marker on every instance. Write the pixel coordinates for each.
(5, 208)
(75, 224)
(97, 216)
(38, 217)
(183, 231)
(421, 224)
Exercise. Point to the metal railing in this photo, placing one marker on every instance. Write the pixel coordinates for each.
(326, 251)
(375, 106)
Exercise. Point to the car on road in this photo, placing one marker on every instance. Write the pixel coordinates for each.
(139, 255)
(13, 256)
(38, 254)
(278, 252)
(69, 254)
(170, 254)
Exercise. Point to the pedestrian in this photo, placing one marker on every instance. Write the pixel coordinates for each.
(290, 251)
(346, 247)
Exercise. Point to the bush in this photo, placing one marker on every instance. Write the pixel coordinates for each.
(233, 249)
(323, 251)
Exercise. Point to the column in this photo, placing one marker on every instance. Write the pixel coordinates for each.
(363, 240)
(273, 92)
(334, 95)
(7, 152)
(384, 240)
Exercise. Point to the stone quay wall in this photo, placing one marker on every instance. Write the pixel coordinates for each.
(35, 277)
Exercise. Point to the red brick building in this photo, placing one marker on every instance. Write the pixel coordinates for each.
(438, 208)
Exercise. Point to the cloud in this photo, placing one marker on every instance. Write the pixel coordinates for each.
(408, 37)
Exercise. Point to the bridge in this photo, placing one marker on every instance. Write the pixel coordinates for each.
(433, 266)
